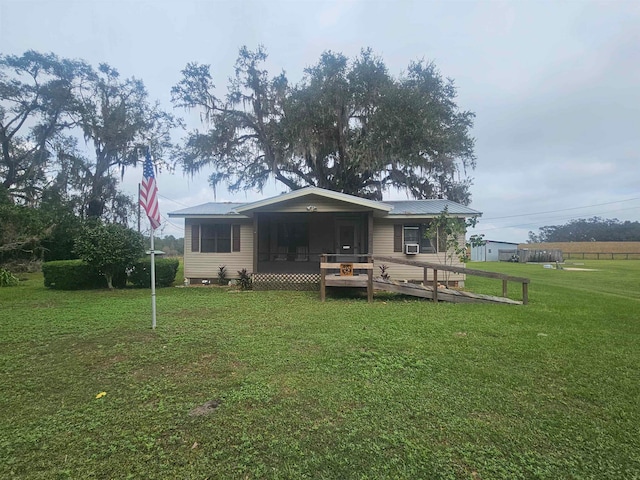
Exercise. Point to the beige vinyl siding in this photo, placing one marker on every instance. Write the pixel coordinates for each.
(321, 204)
(383, 245)
(205, 265)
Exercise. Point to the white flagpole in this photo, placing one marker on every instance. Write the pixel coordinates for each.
(153, 281)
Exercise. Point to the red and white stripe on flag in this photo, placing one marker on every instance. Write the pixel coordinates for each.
(149, 193)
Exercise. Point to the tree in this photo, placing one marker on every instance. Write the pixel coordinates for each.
(448, 234)
(120, 123)
(46, 104)
(22, 230)
(35, 96)
(44, 232)
(595, 229)
(347, 126)
(245, 141)
(111, 248)
(48, 182)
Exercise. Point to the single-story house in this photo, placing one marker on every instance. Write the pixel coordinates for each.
(288, 233)
(490, 250)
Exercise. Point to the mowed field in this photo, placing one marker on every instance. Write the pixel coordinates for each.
(254, 385)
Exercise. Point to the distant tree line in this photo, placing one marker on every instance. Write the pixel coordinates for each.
(595, 229)
(170, 245)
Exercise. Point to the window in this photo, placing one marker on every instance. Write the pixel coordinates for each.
(416, 234)
(215, 238)
(413, 234)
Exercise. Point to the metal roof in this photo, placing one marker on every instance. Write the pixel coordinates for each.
(206, 209)
(428, 207)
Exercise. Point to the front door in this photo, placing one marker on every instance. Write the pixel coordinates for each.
(346, 239)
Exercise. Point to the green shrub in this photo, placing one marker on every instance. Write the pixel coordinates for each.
(71, 275)
(244, 279)
(222, 275)
(111, 248)
(7, 279)
(166, 268)
(77, 275)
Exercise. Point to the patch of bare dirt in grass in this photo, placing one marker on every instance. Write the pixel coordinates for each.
(206, 408)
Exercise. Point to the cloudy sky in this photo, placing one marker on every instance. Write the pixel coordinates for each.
(555, 85)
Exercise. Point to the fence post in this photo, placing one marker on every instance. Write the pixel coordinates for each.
(504, 288)
(435, 285)
(525, 293)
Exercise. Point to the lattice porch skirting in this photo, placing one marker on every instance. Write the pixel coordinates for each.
(286, 281)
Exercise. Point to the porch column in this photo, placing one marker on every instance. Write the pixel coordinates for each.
(370, 234)
(255, 242)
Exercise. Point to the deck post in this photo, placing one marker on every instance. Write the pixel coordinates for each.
(323, 281)
(370, 285)
(504, 288)
(525, 293)
(435, 285)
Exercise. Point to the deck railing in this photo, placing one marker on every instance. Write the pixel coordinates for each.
(346, 265)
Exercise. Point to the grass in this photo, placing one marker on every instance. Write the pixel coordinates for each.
(399, 388)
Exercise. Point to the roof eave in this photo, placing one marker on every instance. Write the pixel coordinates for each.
(402, 216)
(363, 202)
(207, 215)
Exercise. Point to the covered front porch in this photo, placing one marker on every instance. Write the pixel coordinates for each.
(294, 242)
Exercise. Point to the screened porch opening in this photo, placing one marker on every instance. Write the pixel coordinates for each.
(294, 242)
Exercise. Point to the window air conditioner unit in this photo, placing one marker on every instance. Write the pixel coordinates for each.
(411, 248)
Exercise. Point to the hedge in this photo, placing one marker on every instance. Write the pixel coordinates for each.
(166, 269)
(76, 275)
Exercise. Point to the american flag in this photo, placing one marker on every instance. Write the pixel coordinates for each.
(149, 193)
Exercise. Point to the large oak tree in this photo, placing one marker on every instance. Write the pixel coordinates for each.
(347, 126)
(36, 94)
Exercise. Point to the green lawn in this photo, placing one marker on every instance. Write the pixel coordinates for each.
(399, 388)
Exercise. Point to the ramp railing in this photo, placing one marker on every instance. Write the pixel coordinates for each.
(467, 271)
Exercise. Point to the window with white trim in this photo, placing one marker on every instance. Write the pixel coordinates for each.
(215, 238)
(413, 234)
